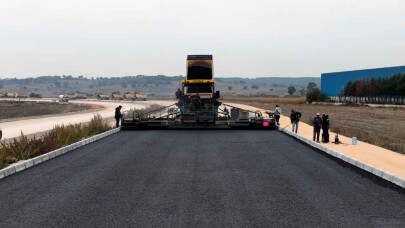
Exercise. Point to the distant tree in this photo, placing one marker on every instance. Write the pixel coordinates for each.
(242, 82)
(57, 84)
(360, 87)
(230, 88)
(390, 86)
(311, 85)
(254, 87)
(315, 95)
(352, 89)
(245, 87)
(372, 89)
(400, 88)
(346, 89)
(65, 84)
(291, 90)
(24, 87)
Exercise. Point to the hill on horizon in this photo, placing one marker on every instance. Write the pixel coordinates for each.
(159, 85)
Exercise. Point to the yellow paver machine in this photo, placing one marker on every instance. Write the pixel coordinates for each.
(198, 105)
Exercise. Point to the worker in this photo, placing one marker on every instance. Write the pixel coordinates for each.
(178, 94)
(277, 113)
(317, 122)
(325, 128)
(118, 115)
(295, 118)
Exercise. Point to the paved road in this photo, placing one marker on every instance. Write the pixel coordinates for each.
(204, 178)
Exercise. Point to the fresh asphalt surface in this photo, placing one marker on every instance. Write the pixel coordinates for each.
(197, 178)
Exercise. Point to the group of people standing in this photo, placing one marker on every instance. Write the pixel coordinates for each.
(294, 117)
(318, 123)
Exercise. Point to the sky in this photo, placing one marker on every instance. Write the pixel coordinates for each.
(256, 38)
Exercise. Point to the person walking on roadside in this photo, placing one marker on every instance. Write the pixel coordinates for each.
(118, 115)
(295, 118)
(277, 113)
(317, 122)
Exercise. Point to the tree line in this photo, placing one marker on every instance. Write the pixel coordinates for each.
(370, 87)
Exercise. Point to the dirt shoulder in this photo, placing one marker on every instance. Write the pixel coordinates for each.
(380, 126)
(23, 109)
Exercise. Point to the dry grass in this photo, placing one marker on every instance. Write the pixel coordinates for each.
(19, 109)
(382, 126)
(60, 136)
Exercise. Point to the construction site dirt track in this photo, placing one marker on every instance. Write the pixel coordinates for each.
(211, 178)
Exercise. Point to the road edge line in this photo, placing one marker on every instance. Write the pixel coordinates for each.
(25, 164)
(361, 165)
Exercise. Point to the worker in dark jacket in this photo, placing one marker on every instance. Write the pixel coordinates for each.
(317, 122)
(178, 94)
(118, 115)
(295, 119)
(325, 128)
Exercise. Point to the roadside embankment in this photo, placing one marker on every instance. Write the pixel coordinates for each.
(61, 135)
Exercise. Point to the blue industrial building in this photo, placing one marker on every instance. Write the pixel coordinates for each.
(333, 83)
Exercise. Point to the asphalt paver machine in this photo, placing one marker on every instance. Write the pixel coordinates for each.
(198, 105)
